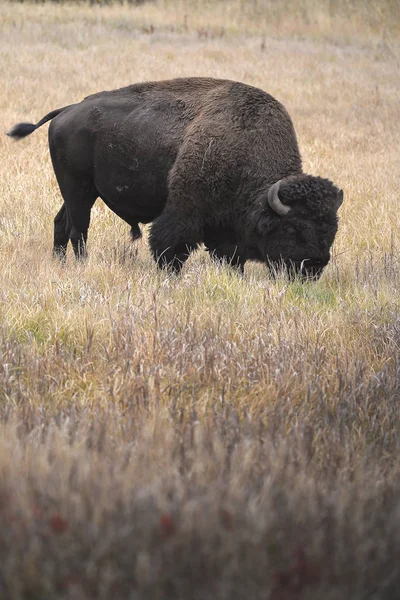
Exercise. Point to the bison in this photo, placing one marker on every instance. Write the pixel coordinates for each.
(205, 160)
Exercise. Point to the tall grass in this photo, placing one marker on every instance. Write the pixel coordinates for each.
(161, 503)
(208, 436)
(343, 19)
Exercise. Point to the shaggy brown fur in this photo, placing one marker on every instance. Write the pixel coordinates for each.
(197, 156)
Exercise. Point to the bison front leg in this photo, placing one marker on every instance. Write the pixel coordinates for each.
(229, 257)
(223, 248)
(172, 239)
(173, 258)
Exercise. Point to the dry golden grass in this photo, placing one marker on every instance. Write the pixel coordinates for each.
(208, 436)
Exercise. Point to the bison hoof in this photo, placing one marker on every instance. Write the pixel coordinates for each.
(60, 253)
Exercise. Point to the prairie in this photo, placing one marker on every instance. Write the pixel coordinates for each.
(208, 436)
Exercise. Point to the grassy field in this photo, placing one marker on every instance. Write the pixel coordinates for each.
(208, 436)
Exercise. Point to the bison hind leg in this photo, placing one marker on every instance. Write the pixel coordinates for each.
(79, 196)
(62, 229)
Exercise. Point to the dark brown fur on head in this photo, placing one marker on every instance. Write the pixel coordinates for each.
(315, 194)
(301, 235)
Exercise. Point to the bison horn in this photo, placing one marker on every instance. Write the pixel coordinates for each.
(274, 201)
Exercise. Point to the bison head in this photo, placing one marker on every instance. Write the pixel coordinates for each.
(299, 224)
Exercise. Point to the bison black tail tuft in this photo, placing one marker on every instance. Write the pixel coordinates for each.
(21, 130)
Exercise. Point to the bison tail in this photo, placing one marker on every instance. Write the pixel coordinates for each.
(21, 130)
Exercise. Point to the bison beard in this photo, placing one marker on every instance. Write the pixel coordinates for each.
(204, 160)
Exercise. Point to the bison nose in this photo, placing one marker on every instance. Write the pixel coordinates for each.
(312, 269)
(312, 274)
(304, 270)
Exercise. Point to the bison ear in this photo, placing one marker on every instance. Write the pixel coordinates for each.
(338, 200)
